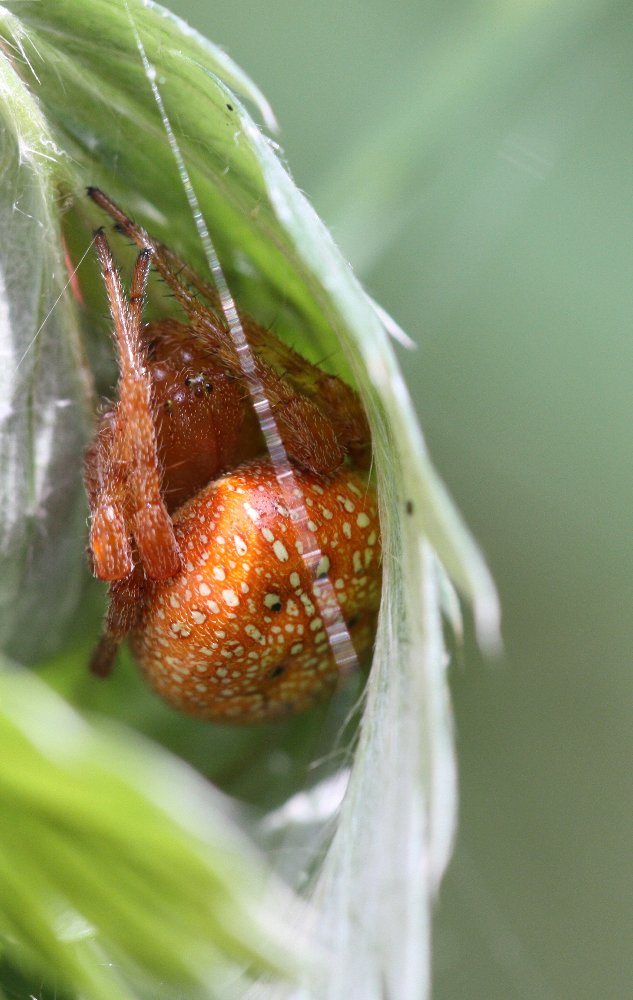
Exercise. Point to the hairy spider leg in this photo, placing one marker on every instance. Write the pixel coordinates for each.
(123, 471)
(125, 599)
(147, 519)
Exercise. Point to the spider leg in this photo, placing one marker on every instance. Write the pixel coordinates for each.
(124, 602)
(134, 438)
(109, 543)
(167, 262)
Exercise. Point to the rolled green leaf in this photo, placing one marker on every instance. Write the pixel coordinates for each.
(125, 97)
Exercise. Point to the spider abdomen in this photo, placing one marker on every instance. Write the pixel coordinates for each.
(238, 635)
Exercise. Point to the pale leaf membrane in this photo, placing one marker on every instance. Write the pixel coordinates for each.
(43, 391)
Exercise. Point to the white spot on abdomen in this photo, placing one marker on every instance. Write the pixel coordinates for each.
(280, 551)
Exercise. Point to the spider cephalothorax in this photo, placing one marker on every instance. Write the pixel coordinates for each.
(209, 572)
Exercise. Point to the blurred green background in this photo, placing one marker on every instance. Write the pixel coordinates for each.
(474, 161)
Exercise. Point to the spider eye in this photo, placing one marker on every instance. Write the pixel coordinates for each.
(200, 384)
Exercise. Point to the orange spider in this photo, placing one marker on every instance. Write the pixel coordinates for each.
(235, 609)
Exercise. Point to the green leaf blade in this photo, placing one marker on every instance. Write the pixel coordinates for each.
(89, 824)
